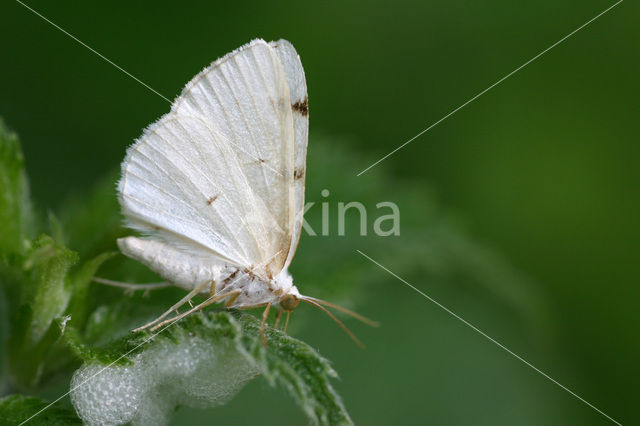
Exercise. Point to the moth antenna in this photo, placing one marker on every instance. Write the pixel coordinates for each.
(359, 317)
(333, 317)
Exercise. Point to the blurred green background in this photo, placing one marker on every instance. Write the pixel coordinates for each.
(542, 169)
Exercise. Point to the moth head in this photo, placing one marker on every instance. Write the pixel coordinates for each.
(289, 302)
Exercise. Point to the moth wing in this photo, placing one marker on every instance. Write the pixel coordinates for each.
(182, 268)
(300, 108)
(217, 172)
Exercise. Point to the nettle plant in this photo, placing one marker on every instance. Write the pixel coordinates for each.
(59, 327)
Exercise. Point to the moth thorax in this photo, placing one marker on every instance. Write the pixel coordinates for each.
(289, 302)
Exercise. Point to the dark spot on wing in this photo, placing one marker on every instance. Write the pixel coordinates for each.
(230, 277)
(211, 200)
(302, 106)
(298, 173)
(260, 160)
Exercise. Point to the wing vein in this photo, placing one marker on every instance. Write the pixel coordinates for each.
(227, 160)
(205, 224)
(208, 178)
(251, 190)
(181, 219)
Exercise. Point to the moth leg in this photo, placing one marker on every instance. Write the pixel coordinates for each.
(204, 304)
(265, 315)
(232, 299)
(286, 323)
(277, 318)
(182, 301)
(212, 293)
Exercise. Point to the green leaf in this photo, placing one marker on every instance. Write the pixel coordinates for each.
(15, 212)
(40, 292)
(47, 266)
(223, 347)
(15, 409)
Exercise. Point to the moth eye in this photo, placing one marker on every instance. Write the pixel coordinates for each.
(289, 302)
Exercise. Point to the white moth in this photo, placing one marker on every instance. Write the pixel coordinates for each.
(216, 186)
